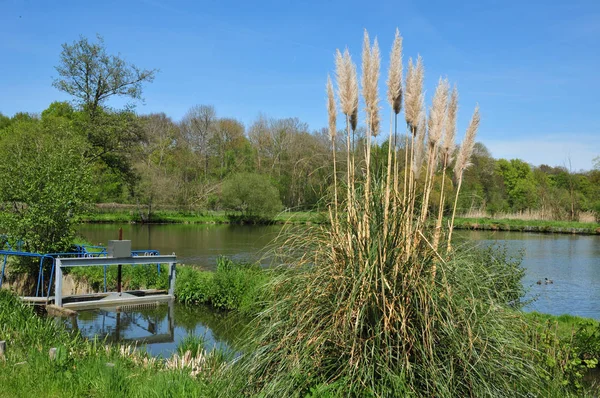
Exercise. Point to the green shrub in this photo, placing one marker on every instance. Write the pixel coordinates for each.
(233, 286)
(253, 195)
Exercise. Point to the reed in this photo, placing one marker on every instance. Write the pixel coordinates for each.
(359, 308)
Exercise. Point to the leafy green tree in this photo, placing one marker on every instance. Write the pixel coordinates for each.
(88, 73)
(4, 121)
(251, 194)
(44, 184)
(59, 109)
(519, 183)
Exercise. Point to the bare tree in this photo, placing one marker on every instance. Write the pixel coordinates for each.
(198, 127)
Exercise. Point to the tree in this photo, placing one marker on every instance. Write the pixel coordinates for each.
(44, 184)
(4, 121)
(229, 147)
(251, 194)
(596, 163)
(198, 127)
(519, 183)
(90, 74)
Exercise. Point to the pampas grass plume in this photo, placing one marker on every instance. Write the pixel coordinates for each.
(414, 96)
(466, 148)
(394, 82)
(345, 72)
(437, 114)
(331, 109)
(450, 128)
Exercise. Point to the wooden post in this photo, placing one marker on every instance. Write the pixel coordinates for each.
(2, 349)
(119, 266)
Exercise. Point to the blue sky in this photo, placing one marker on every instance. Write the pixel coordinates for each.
(531, 65)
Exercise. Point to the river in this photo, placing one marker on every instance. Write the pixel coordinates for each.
(572, 262)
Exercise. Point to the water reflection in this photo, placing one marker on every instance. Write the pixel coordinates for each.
(160, 329)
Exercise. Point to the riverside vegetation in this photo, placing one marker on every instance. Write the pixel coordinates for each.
(151, 161)
(375, 302)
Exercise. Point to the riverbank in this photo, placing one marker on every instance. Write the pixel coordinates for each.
(120, 215)
(101, 215)
(558, 227)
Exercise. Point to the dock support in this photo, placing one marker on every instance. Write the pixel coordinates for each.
(172, 279)
(58, 283)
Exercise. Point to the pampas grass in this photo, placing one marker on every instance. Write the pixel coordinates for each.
(360, 310)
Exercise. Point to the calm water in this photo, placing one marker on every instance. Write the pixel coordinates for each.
(197, 244)
(159, 330)
(572, 262)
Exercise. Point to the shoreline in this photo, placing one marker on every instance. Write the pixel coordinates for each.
(219, 217)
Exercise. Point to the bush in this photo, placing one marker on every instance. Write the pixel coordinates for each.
(233, 286)
(252, 195)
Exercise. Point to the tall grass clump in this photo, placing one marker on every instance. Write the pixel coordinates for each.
(372, 304)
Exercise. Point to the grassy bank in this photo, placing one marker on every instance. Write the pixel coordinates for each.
(128, 215)
(83, 368)
(566, 345)
(564, 227)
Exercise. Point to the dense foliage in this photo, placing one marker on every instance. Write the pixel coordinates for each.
(153, 161)
(44, 182)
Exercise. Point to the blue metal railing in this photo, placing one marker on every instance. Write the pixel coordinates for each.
(80, 251)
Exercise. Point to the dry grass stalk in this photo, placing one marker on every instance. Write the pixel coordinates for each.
(413, 97)
(437, 117)
(371, 60)
(462, 162)
(414, 101)
(447, 148)
(394, 95)
(332, 113)
(347, 83)
(193, 364)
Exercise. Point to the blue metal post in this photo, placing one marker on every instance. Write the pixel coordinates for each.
(51, 277)
(40, 279)
(3, 267)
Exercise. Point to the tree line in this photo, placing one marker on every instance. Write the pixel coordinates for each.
(152, 160)
(212, 161)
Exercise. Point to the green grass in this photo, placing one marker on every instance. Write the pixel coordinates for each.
(565, 325)
(191, 217)
(82, 368)
(572, 227)
(232, 286)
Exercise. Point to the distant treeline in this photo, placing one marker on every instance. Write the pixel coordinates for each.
(152, 160)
